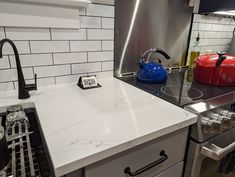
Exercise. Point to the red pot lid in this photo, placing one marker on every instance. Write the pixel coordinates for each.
(210, 60)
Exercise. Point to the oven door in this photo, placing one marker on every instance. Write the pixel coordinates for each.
(205, 159)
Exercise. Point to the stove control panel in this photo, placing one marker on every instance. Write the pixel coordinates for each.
(226, 113)
(217, 120)
(224, 120)
(210, 126)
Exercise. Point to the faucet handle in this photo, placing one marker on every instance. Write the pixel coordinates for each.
(30, 87)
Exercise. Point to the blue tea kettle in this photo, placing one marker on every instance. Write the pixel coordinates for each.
(150, 71)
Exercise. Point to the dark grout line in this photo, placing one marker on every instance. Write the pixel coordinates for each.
(50, 34)
(30, 48)
(5, 33)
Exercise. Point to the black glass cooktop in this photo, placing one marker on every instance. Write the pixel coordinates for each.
(180, 89)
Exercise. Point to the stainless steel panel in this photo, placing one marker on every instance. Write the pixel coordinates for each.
(198, 165)
(213, 103)
(143, 24)
(201, 108)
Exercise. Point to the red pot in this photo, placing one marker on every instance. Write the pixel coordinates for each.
(215, 69)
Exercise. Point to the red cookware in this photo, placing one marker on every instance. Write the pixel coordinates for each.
(215, 69)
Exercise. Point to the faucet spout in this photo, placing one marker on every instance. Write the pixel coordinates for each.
(22, 90)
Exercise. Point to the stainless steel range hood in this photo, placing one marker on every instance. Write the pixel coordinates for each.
(220, 7)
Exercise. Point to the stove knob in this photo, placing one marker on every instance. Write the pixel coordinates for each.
(227, 113)
(224, 120)
(210, 126)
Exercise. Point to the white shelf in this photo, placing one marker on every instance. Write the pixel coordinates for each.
(35, 15)
(108, 2)
(68, 3)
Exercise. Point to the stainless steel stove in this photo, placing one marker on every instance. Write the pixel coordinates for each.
(180, 89)
(212, 140)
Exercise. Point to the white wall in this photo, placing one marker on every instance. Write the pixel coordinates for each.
(61, 55)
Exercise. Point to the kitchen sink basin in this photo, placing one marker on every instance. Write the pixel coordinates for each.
(20, 165)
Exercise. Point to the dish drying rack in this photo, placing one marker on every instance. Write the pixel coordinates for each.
(24, 161)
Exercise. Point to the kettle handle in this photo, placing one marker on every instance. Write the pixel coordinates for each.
(155, 50)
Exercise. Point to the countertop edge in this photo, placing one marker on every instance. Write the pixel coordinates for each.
(81, 163)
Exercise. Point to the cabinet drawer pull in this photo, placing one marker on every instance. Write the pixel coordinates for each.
(163, 158)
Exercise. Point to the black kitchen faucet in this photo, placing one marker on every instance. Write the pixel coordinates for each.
(23, 92)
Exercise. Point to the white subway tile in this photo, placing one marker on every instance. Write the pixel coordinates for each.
(228, 28)
(213, 42)
(63, 58)
(107, 66)
(68, 79)
(68, 34)
(216, 27)
(40, 82)
(49, 46)
(224, 20)
(85, 46)
(206, 48)
(194, 34)
(204, 42)
(204, 27)
(105, 74)
(100, 34)
(32, 60)
(225, 41)
(4, 62)
(90, 22)
(28, 33)
(107, 45)
(8, 75)
(209, 34)
(82, 11)
(200, 18)
(194, 42)
(108, 23)
(22, 47)
(195, 26)
(28, 73)
(211, 19)
(229, 35)
(86, 67)
(221, 48)
(11, 74)
(47, 71)
(100, 10)
(2, 35)
(232, 22)
(100, 56)
(221, 35)
(7, 86)
(46, 81)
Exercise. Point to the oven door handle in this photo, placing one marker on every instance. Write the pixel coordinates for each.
(215, 152)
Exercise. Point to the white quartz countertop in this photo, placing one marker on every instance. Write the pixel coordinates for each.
(84, 126)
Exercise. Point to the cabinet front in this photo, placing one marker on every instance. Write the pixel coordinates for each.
(147, 160)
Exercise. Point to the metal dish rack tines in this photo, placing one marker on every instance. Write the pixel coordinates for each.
(23, 157)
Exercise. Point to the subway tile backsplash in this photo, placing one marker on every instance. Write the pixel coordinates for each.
(76, 46)
(215, 34)
(27, 34)
(100, 10)
(61, 55)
